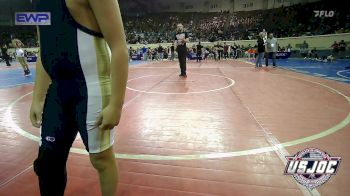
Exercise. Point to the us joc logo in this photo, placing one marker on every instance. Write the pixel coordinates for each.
(312, 167)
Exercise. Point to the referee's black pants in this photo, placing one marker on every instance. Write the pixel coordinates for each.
(182, 54)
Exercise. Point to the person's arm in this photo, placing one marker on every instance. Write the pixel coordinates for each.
(21, 44)
(175, 41)
(107, 14)
(42, 82)
(187, 40)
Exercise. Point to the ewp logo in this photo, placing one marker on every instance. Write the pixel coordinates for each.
(33, 18)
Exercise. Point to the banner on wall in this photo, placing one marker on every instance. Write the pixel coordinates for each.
(281, 55)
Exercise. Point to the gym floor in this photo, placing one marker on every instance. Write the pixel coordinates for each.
(224, 130)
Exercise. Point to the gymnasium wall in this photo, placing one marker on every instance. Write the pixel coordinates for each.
(215, 5)
(248, 5)
(321, 42)
(192, 6)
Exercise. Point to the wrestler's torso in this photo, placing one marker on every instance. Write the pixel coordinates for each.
(75, 57)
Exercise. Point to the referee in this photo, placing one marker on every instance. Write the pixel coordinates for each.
(181, 38)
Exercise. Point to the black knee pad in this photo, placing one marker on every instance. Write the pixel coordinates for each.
(49, 161)
(50, 167)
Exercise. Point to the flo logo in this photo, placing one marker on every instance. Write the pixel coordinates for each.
(312, 167)
(323, 13)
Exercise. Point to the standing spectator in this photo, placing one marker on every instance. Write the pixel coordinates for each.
(342, 48)
(199, 52)
(261, 50)
(5, 56)
(166, 54)
(149, 54)
(130, 53)
(160, 52)
(263, 35)
(206, 53)
(220, 51)
(289, 48)
(234, 51)
(216, 52)
(226, 47)
(271, 49)
(304, 49)
(145, 53)
(172, 52)
(194, 49)
(155, 54)
(335, 47)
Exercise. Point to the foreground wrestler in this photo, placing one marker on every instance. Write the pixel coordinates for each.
(79, 86)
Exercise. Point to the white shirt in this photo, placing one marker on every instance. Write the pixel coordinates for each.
(19, 52)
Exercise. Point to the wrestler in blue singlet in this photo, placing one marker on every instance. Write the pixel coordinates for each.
(77, 60)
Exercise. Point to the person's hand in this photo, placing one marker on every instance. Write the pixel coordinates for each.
(35, 113)
(108, 118)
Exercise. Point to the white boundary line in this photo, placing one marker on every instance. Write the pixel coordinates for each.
(347, 71)
(232, 82)
(278, 148)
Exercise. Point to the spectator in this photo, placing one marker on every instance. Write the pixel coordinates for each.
(342, 48)
(5, 56)
(271, 50)
(304, 49)
(261, 50)
(335, 47)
